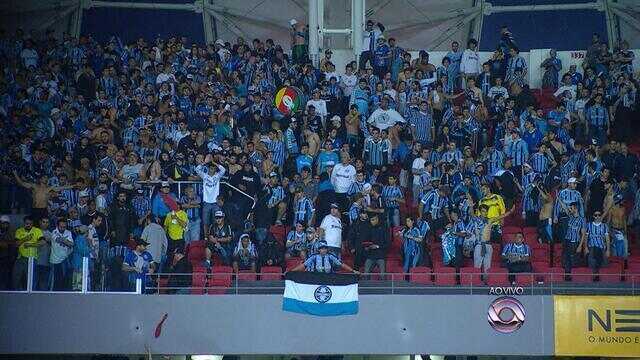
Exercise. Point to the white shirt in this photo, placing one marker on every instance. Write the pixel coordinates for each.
(332, 227)
(348, 83)
(342, 177)
(210, 184)
(418, 164)
(162, 77)
(59, 251)
(470, 62)
(321, 107)
(562, 89)
(29, 57)
(366, 37)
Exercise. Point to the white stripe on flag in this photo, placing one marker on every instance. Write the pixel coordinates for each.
(306, 292)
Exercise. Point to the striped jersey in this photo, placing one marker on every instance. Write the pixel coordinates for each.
(596, 234)
(434, 204)
(376, 153)
(389, 193)
(519, 249)
(303, 210)
(566, 197)
(575, 225)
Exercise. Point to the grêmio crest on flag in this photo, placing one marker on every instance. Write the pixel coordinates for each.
(320, 294)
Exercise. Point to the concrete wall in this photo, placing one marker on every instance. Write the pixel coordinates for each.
(255, 324)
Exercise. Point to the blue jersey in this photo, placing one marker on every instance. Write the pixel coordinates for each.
(566, 197)
(389, 193)
(519, 151)
(597, 116)
(434, 204)
(531, 202)
(518, 249)
(322, 263)
(596, 234)
(575, 225)
(422, 123)
(303, 211)
(539, 163)
(376, 153)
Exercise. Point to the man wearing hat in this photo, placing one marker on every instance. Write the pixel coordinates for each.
(210, 189)
(176, 223)
(331, 230)
(298, 34)
(566, 196)
(220, 239)
(323, 261)
(573, 234)
(137, 263)
(324, 62)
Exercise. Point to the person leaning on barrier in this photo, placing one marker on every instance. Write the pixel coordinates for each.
(323, 261)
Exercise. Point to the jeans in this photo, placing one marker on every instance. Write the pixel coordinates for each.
(393, 215)
(208, 209)
(193, 231)
(20, 273)
(481, 260)
(370, 263)
(569, 256)
(411, 261)
(261, 235)
(596, 258)
(43, 278)
(61, 276)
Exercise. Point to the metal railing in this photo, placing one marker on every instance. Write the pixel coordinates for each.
(406, 283)
(415, 283)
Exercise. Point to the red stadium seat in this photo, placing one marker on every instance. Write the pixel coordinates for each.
(222, 273)
(279, 232)
(271, 273)
(497, 277)
(420, 275)
(163, 283)
(525, 279)
(196, 251)
(540, 255)
(247, 275)
(581, 275)
(611, 274)
(445, 276)
(218, 286)
(530, 230)
(198, 283)
(470, 276)
(511, 230)
(293, 262)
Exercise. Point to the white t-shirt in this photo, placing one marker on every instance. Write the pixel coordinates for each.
(332, 227)
(59, 251)
(29, 57)
(210, 184)
(342, 177)
(348, 83)
(320, 105)
(418, 164)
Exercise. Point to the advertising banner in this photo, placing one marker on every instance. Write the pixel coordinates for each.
(597, 326)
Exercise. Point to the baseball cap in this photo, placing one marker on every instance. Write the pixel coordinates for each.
(219, 214)
(334, 206)
(244, 235)
(5, 218)
(220, 42)
(572, 180)
(83, 193)
(273, 174)
(164, 184)
(322, 244)
(366, 187)
(328, 51)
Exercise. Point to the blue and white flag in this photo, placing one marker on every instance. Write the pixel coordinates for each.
(320, 294)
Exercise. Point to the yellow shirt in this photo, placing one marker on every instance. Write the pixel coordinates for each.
(173, 227)
(30, 237)
(496, 207)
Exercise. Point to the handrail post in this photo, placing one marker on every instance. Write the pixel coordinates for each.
(85, 275)
(138, 286)
(30, 273)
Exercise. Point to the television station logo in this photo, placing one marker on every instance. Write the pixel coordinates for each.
(506, 314)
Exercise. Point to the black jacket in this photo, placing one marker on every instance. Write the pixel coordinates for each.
(378, 235)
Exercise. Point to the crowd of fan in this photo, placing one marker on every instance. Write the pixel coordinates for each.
(123, 154)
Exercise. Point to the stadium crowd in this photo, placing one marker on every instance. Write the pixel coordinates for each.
(127, 153)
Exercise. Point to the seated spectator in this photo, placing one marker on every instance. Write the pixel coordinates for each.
(297, 242)
(271, 252)
(517, 257)
(245, 254)
(220, 239)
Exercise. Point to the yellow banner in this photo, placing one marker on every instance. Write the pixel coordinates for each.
(597, 325)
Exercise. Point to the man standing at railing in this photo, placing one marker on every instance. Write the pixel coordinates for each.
(210, 189)
(191, 204)
(29, 238)
(175, 224)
